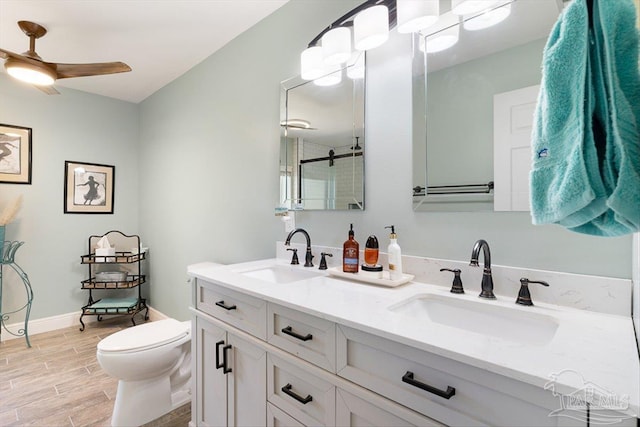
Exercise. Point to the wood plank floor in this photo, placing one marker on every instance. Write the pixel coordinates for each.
(58, 381)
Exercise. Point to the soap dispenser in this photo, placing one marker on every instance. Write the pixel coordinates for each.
(370, 268)
(395, 255)
(350, 254)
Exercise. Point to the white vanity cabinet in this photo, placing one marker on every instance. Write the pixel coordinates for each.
(229, 371)
(230, 383)
(291, 366)
(449, 391)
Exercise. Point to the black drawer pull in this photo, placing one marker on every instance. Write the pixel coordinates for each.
(288, 330)
(226, 307)
(225, 368)
(408, 378)
(218, 364)
(304, 400)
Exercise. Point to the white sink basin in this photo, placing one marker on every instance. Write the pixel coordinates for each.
(521, 326)
(281, 274)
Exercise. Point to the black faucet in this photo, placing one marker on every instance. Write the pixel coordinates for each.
(487, 280)
(308, 256)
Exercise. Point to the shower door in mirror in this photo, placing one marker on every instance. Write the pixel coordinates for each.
(322, 143)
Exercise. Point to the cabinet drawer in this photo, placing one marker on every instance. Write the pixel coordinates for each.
(302, 395)
(240, 310)
(480, 397)
(373, 410)
(308, 337)
(276, 417)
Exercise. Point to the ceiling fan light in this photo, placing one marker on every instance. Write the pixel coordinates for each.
(488, 19)
(296, 123)
(416, 15)
(30, 73)
(336, 46)
(311, 65)
(469, 7)
(371, 27)
(442, 40)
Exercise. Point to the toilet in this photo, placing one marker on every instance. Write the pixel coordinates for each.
(152, 363)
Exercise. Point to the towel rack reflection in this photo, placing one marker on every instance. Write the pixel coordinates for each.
(454, 189)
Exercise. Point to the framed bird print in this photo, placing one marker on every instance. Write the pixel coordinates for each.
(15, 154)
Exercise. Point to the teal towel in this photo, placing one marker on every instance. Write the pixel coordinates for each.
(586, 140)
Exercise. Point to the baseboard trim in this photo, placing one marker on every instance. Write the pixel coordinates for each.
(61, 321)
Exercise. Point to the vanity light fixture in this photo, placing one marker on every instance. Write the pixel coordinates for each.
(311, 63)
(336, 46)
(469, 7)
(333, 76)
(31, 73)
(416, 15)
(371, 27)
(372, 20)
(488, 19)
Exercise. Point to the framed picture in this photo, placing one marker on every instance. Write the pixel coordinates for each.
(15, 154)
(88, 188)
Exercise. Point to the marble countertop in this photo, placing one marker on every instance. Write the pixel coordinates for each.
(589, 351)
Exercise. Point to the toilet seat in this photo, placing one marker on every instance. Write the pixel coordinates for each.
(145, 337)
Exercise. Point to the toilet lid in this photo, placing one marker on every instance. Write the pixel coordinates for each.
(145, 336)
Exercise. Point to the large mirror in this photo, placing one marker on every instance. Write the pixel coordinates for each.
(323, 143)
(455, 93)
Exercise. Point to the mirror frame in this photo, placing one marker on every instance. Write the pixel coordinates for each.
(288, 200)
(464, 198)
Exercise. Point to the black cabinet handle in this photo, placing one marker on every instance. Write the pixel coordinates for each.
(225, 367)
(304, 400)
(226, 307)
(447, 394)
(218, 364)
(288, 330)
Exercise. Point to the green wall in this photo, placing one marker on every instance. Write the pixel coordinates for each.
(460, 111)
(71, 126)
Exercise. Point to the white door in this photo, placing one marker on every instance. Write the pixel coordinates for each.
(512, 125)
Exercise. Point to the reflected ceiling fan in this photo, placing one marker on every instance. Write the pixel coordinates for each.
(30, 68)
(300, 124)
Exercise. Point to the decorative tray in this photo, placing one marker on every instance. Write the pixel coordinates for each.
(385, 281)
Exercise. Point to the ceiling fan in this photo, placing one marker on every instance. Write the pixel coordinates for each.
(29, 67)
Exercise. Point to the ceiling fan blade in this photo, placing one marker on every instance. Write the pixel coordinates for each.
(6, 54)
(66, 71)
(49, 90)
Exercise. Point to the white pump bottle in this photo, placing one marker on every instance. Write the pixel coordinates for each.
(395, 255)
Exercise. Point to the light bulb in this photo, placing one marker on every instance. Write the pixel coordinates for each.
(336, 46)
(371, 27)
(30, 73)
(416, 15)
(332, 76)
(311, 65)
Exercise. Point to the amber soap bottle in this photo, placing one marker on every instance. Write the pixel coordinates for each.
(350, 254)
